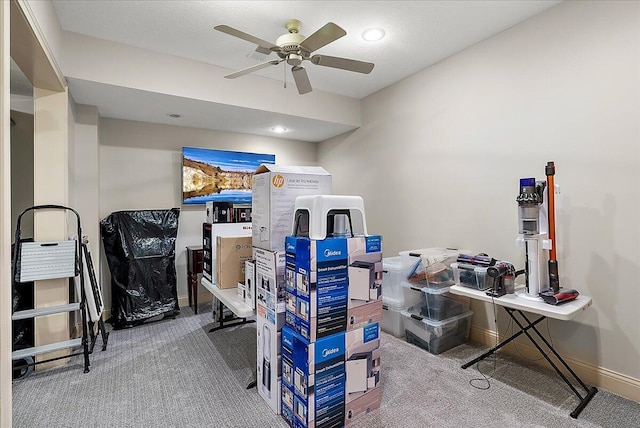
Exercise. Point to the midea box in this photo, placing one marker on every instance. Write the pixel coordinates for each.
(324, 383)
(333, 285)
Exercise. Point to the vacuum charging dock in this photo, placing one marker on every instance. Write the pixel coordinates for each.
(533, 227)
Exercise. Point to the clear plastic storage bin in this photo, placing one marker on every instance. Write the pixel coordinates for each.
(434, 303)
(434, 268)
(437, 336)
(395, 271)
(392, 317)
(471, 276)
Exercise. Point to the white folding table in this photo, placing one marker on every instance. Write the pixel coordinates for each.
(229, 298)
(517, 305)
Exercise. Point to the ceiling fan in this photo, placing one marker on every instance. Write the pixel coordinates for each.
(294, 48)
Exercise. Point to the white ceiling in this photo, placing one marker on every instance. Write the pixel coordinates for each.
(418, 34)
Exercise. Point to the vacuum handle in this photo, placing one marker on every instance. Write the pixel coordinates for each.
(554, 279)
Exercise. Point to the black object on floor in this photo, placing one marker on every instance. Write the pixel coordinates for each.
(140, 250)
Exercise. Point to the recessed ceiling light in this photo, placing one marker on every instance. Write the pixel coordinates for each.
(373, 34)
(279, 129)
(174, 115)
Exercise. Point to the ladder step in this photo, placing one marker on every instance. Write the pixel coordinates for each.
(38, 312)
(16, 355)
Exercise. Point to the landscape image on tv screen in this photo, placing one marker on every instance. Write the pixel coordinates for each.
(219, 175)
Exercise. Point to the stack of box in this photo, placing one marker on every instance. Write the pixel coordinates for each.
(396, 270)
(210, 244)
(330, 343)
(274, 191)
(233, 242)
(434, 319)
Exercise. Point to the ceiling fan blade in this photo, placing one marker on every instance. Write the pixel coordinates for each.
(248, 37)
(325, 35)
(343, 63)
(302, 79)
(253, 68)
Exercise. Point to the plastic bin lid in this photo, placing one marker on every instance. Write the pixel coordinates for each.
(428, 290)
(434, 323)
(434, 252)
(398, 262)
(479, 269)
(392, 303)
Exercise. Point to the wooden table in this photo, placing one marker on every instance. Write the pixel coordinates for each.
(194, 267)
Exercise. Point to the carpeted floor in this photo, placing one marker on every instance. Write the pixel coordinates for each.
(173, 373)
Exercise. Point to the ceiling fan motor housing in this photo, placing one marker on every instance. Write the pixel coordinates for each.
(290, 42)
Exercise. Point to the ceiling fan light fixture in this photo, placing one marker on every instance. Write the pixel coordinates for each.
(279, 129)
(373, 34)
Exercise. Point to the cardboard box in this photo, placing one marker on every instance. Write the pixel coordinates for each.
(269, 325)
(270, 287)
(333, 285)
(324, 383)
(274, 192)
(209, 234)
(363, 404)
(231, 253)
(250, 283)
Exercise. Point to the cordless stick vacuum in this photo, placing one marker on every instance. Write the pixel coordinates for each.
(554, 295)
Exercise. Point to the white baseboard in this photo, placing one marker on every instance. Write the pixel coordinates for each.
(623, 385)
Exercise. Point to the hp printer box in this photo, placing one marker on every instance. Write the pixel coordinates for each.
(332, 285)
(324, 383)
(274, 192)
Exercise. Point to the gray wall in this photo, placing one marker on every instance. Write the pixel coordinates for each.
(141, 168)
(439, 156)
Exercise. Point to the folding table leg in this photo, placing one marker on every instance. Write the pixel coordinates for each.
(500, 345)
(590, 392)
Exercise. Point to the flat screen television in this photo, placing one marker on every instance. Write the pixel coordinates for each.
(219, 175)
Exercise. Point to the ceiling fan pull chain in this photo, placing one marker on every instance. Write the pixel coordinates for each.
(284, 69)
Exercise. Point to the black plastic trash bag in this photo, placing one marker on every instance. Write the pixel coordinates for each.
(140, 250)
